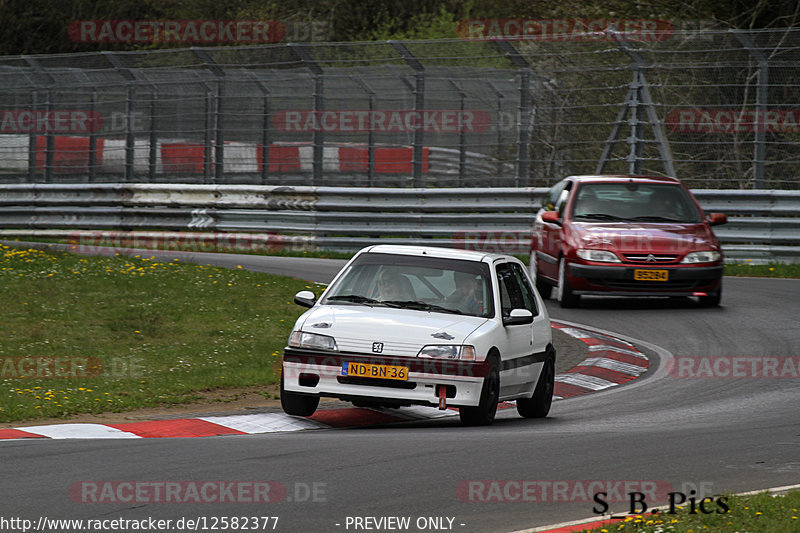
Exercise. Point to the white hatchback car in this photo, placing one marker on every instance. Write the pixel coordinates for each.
(403, 325)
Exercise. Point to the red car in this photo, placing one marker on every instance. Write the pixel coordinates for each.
(625, 236)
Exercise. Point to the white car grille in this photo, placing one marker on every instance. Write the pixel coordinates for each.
(403, 349)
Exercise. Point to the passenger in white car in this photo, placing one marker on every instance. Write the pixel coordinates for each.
(467, 296)
(395, 287)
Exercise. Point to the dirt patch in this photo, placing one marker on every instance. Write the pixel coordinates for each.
(216, 402)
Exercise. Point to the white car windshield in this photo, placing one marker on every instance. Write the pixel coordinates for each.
(420, 283)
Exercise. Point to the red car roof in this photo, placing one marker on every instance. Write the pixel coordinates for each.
(622, 177)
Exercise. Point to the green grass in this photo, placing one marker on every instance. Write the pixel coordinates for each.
(130, 332)
(760, 513)
(743, 268)
(772, 270)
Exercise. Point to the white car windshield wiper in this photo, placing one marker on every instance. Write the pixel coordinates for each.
(422, 306)
(353, 298)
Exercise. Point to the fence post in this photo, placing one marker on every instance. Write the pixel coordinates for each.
(523, 139)
(419, 106)
(130, 109)
(462, 138)
(762, 83)
(48, 135)
(32, 140)
(371, 134)
(93, 138)
(638, 101)
(152, 159)
(208, 126)
(318, 137)
(219, 112)
(265, 125)
(499, 97)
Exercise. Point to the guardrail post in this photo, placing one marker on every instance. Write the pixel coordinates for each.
(318, 137)
(523, 139)
(419, 106)
(762, 81)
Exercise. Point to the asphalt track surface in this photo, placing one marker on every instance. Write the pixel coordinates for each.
(716, 434)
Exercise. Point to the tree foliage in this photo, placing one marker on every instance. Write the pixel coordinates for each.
(40, 26)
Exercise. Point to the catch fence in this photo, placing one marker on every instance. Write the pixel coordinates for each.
(716, 108)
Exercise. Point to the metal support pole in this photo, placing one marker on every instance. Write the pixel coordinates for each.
(130, 109)
(50, 141)
(638, 102)
(371, 134)
(371, 142)
(207, 135)
(219, 134)
(153, 136)
(32, 141)
(265, 140)
(498, 97)
(637, 135)
(419, 107)
(92, 138)
(266, 111)
(462, 138)
(523, 138)
(219, 113)
(130, 133)
(762, 83)
(318, 137)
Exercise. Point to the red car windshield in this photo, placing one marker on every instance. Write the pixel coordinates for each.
(630, 201)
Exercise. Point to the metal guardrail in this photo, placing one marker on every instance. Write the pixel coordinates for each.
(763, 225)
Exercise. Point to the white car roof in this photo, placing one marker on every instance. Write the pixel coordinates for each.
(434, 251)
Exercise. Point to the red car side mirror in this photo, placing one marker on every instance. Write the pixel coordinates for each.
(551, 217)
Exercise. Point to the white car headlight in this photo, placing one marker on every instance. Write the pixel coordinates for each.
(448, 351)
(706, 256)
(600, 256)
(303, 339)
